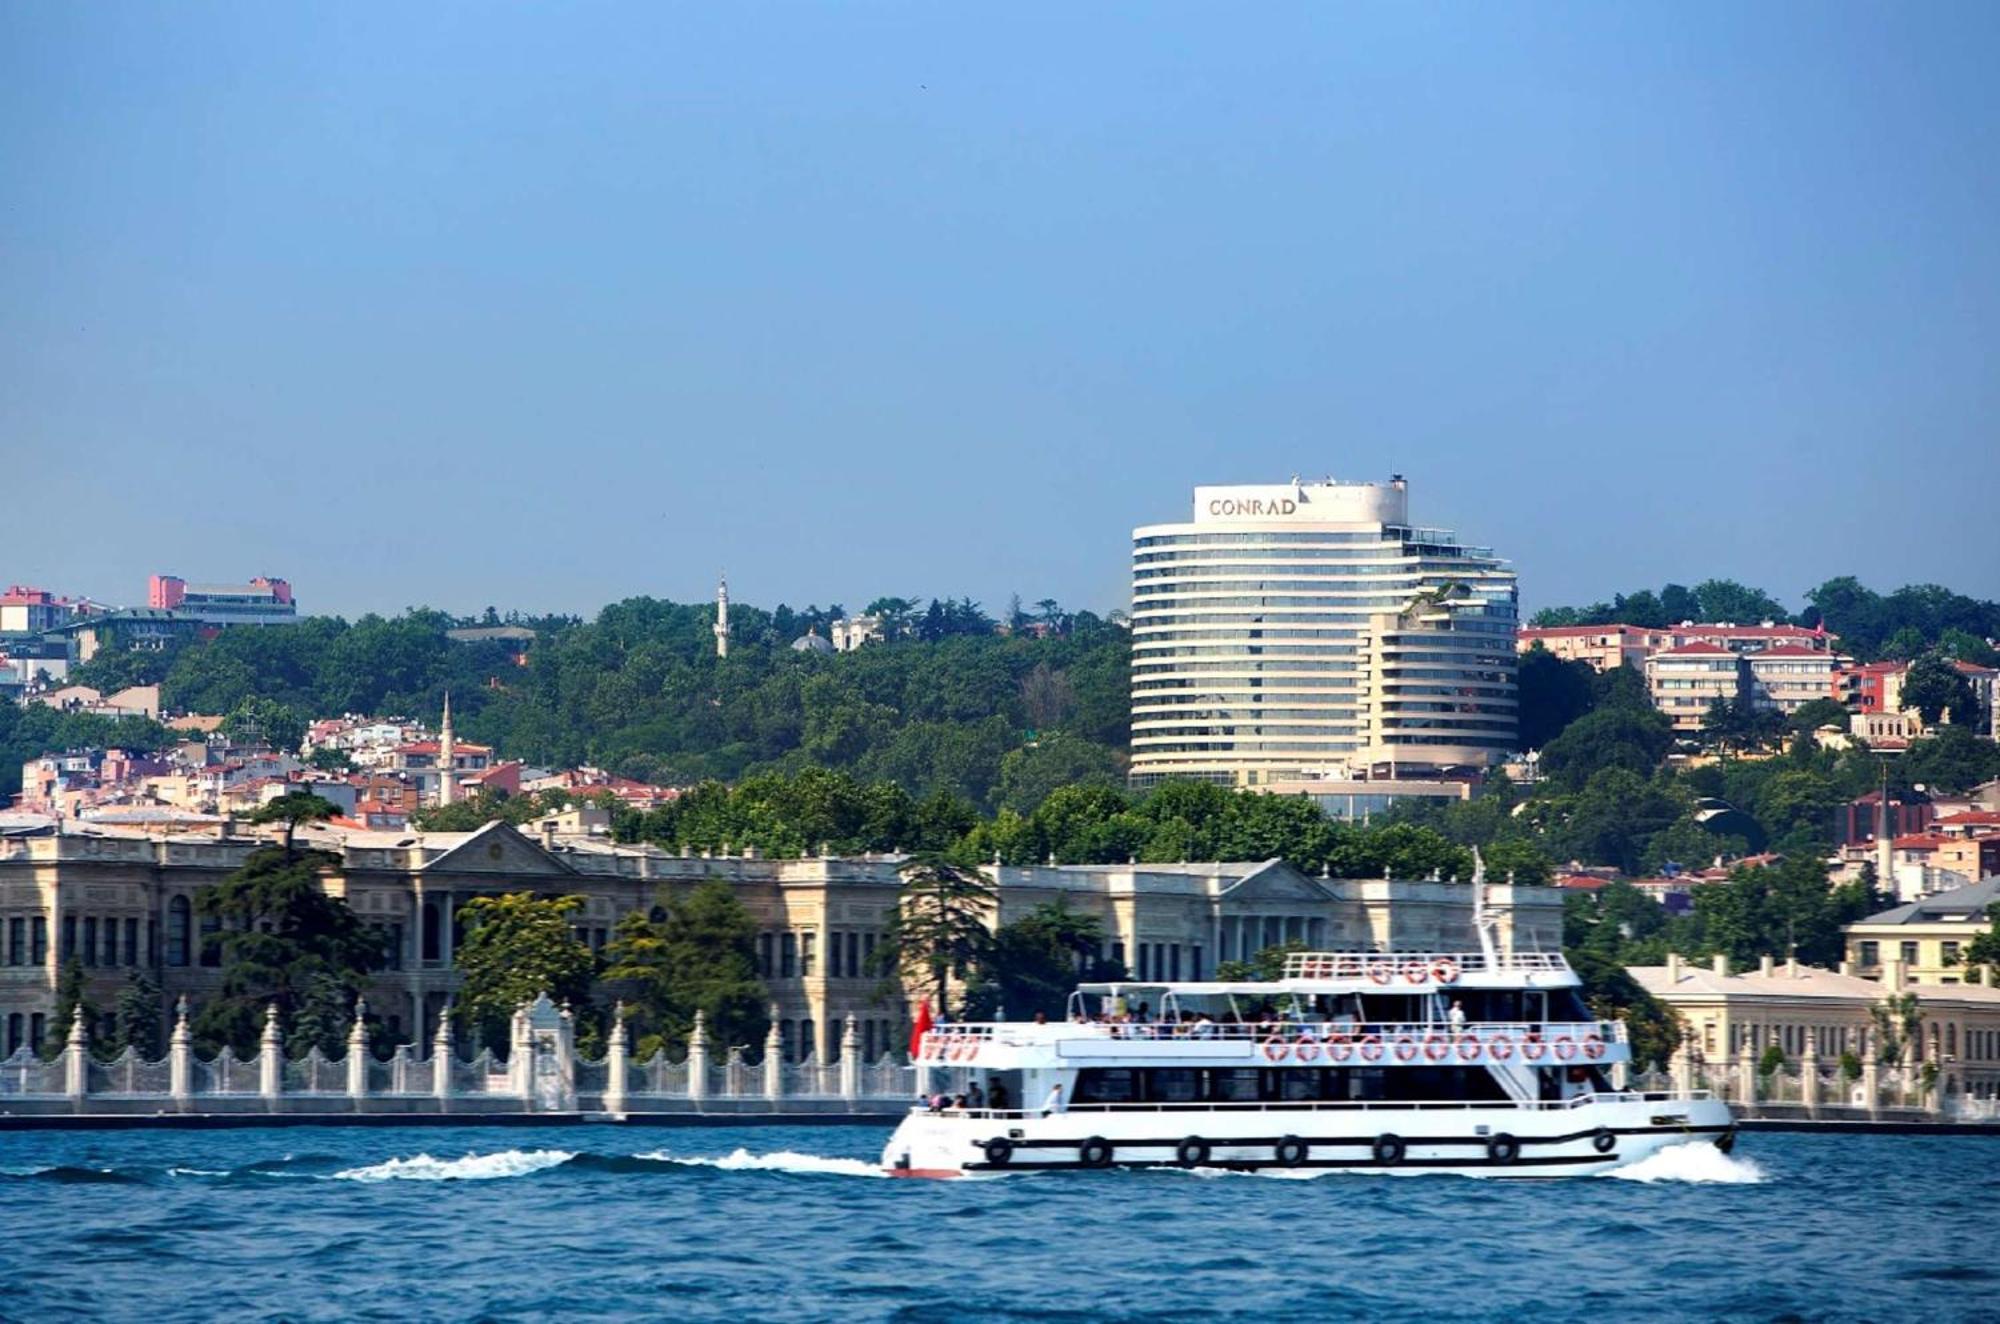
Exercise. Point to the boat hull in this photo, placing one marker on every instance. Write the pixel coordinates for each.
(1583, 1140)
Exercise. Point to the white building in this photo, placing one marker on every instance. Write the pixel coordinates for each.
(1309, 630)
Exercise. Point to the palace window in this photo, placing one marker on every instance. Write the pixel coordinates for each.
(15, 1026)
(211, 951)
(430, 947)
(177, 931)
(68, 938)
(806, 941)
(132, 941)
(788, 956)
(17, 941)
(764, 955)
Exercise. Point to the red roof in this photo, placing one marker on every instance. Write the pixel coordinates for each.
(1580, 882)
(1749, 631)
(1566, 631)
(1972, 669)
(1923, 841)
(1970, 818)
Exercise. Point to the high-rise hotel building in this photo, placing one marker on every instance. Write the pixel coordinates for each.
(1308, 630)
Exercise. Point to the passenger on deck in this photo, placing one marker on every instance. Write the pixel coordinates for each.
(1456, 1016)
(975, 1097)
(1054, 1102)
(998, 1099)
(1204, 1028)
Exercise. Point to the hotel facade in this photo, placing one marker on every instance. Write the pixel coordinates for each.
(1308, 631)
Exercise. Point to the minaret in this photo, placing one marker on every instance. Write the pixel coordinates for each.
(447, 757)
(722, 617)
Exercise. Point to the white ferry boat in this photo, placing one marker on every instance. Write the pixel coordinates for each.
(1477, 1063)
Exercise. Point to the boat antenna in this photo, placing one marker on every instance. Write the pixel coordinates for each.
(1483, 920)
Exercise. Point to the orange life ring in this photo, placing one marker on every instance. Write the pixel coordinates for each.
(1306, 1050)
(1468, 1047)
(1406, 1049)
(1593, 1047)
(1500, 1048)
(1444, 970)
(1565, 1047)
(1275, 1048)
(1339, 1048)
(1436, 1048)
(1382, 972)
(1416, 972)
(1532, 1049)
(1371, 1048)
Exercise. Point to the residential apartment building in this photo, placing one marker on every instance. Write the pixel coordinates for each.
(1684, 680)
(1923, 941)
(262, 601)
(1786, 677)
(1607, 646)
(122, 900)
(32, 610)
(1308, 630)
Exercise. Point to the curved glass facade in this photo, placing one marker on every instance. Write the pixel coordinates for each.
(1306, 630)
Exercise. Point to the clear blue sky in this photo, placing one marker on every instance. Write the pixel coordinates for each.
(544, 306)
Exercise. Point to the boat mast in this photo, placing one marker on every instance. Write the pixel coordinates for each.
(1484, 921)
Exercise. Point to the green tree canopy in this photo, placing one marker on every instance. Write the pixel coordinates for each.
(516, 947)
(698, 956)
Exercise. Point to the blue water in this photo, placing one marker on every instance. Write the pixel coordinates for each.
(790, 1223)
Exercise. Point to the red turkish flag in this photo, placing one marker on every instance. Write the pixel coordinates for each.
(919, 1030)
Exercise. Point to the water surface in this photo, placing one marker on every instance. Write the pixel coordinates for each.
(794, 1223)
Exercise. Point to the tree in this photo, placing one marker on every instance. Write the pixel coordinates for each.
(1984, 949)
(1950, 761)
(939, 931)
(1553, 693)
(265, 721)
(328, 759)
(1933, 687)
(279, 938)
(294, 809)
(1034, 963)
(1727, 600)
(72, 991)
(1030, 774)
(698, 956)
(516, 947)
(136, 1016)
(1818, 713)
(1265, 967)
(1615, 736)
(1612, 994)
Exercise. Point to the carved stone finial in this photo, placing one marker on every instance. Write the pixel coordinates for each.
(76, 1026)
(181, 1009)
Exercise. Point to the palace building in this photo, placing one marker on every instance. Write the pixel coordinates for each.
(1308, 630)
(118, 900)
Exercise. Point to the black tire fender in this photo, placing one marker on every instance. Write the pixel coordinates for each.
(1290, 1152)
(1603, 1141)
(1502, 1148)
(1191, 1152)
(999, 1151)
(1388, 1148)
(1094, 1152)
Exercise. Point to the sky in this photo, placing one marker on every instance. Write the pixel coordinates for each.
(542, 307)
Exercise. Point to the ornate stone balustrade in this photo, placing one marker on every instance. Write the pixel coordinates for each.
(541, 1073)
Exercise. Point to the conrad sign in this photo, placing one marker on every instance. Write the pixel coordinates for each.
(1301, 503)
(1251, 507)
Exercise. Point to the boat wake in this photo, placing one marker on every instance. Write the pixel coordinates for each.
(473, 1167)
(784, 1160)
(1696, 1161)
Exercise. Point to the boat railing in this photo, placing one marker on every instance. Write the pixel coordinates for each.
(1334, 1105)
(1413, 968)
(1303, 1041)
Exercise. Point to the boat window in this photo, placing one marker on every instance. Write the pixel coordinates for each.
(1233, 1086)
(1106, 1085)
(1173, 1085)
